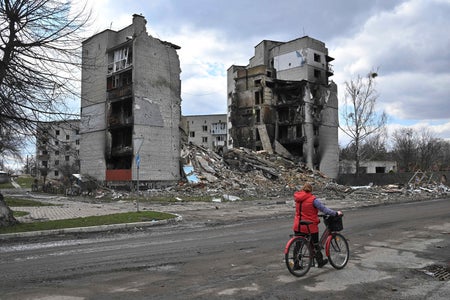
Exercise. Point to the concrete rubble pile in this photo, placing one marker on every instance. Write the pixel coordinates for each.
(242, 172)
(246, 173)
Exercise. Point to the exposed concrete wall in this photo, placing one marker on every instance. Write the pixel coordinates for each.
(92, 154)
(93, 95)
(328, 135)
(155, 98)
(285, 88)
(308, 131)
(157, 108)
(262, 53)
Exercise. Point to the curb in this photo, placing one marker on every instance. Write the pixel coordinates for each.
(90, 229)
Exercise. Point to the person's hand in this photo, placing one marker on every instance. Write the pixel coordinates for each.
(339, 213)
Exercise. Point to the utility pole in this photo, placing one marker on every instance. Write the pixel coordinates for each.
(138, 144)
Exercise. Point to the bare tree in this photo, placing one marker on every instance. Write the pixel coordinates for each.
(10, 144)
(419, 150)
(373, 149)
(361, 120)
(405, 148)
(429, 148)
(40, 59)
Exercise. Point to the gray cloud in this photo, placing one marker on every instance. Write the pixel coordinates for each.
(408, 40)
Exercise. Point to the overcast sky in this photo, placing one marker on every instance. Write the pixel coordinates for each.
(408, 41)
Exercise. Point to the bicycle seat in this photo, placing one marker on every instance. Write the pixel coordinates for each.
(305, 222)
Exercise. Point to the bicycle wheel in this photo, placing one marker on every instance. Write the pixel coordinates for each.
(338, 252)
(298, 258)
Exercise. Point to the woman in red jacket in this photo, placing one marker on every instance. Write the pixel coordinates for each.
(307, 208)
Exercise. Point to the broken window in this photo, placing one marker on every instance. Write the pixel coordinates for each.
(316, 57)
(258, 116)
(282, 133)
(120, 59)
(192, 134)
(204, 139)
(57, 132)
(121, 113)
(298, 131)
(380, 169)
(121, 148)
(205, 128)
(317, 73)
(283, 114)
(257, 98)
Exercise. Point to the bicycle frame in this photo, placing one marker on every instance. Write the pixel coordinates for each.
(325, 240)
(300, 251)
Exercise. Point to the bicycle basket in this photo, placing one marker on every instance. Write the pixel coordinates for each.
(334, 223)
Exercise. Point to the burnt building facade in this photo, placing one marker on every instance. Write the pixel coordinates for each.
(284, 102)
(130, 107)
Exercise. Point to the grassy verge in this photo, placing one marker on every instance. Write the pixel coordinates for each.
(18, 213)
(120, 218)
(24, 181)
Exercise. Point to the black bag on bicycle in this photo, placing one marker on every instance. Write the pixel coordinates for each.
(334, 223)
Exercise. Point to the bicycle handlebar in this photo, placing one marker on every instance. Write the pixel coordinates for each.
(324, 216)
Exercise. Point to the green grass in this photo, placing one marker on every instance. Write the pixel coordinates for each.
(17, 213)
(6, 185)
(24, 181)
(120, 218)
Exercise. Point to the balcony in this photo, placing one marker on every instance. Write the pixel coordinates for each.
(121, 92)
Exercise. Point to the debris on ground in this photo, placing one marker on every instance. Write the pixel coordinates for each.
(242, 174)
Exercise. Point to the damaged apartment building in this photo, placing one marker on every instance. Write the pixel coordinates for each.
(284, 102)
(130, 107)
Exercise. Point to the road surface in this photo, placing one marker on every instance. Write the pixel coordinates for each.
(394, 249)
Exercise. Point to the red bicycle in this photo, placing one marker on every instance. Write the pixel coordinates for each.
(300, 252)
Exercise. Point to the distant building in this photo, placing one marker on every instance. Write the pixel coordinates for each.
(367, 167)
(284, 102)
(130, 107)
(209, 131)
(58, 149)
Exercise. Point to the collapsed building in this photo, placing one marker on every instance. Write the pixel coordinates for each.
(130, 107)
(283, 102)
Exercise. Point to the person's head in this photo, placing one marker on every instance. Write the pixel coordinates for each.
(307, 187)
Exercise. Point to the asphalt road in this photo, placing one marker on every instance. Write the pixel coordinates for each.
(392, 248)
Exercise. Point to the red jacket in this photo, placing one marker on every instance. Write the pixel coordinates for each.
(305, 211)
